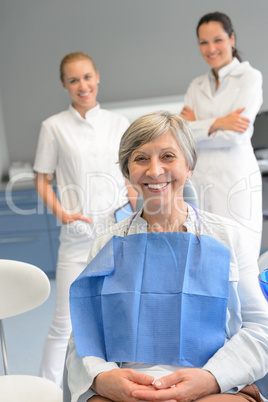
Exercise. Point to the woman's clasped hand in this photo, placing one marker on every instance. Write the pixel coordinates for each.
(129, 385)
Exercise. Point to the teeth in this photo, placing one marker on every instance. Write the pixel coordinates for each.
(157, 186)
(84, 94)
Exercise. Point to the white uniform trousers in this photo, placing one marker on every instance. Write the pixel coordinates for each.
(68, 269)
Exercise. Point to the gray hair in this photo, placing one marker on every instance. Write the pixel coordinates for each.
(151, 126)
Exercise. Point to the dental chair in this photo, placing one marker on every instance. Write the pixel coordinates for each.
(263, 383)
(263, 261)
(23, 287)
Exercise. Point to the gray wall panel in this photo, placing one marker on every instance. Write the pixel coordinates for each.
(142, 48)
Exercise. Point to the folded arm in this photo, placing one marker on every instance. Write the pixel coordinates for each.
(232, 128)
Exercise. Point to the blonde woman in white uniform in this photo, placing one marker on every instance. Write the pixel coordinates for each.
(81, 145)
(221, 107)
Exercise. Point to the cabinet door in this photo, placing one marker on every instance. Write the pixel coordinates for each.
(24, 233)
(21, 211)
(31, 247)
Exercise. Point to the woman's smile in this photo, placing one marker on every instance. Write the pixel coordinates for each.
(83, 95)
(156, 186)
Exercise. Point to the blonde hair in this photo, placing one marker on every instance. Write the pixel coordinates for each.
(151, 126)
(75, 56)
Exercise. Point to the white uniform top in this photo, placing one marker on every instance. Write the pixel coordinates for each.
(227, 176)
(244, 357)
(84, 154)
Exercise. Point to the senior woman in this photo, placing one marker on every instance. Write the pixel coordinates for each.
(169, 307)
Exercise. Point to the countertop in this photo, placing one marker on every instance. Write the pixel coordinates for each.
(17, 185)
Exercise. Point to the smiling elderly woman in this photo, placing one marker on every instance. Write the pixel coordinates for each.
(169, 307)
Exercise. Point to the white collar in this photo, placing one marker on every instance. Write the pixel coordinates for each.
(230, 68)
(91, 113)
(192, 224)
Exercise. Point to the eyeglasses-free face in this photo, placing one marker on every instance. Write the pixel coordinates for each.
(215, 45)
(158, 171)
(81, 81)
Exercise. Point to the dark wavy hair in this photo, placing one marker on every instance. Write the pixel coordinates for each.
(226, 24)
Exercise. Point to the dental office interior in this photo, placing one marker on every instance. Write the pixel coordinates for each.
(147, 54)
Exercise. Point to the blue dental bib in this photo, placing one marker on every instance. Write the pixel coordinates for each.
(157, 298)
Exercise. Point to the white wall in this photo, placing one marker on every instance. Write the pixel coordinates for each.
(143, 48)
(4, 154)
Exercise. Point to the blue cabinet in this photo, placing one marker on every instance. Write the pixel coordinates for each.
(28, 232)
